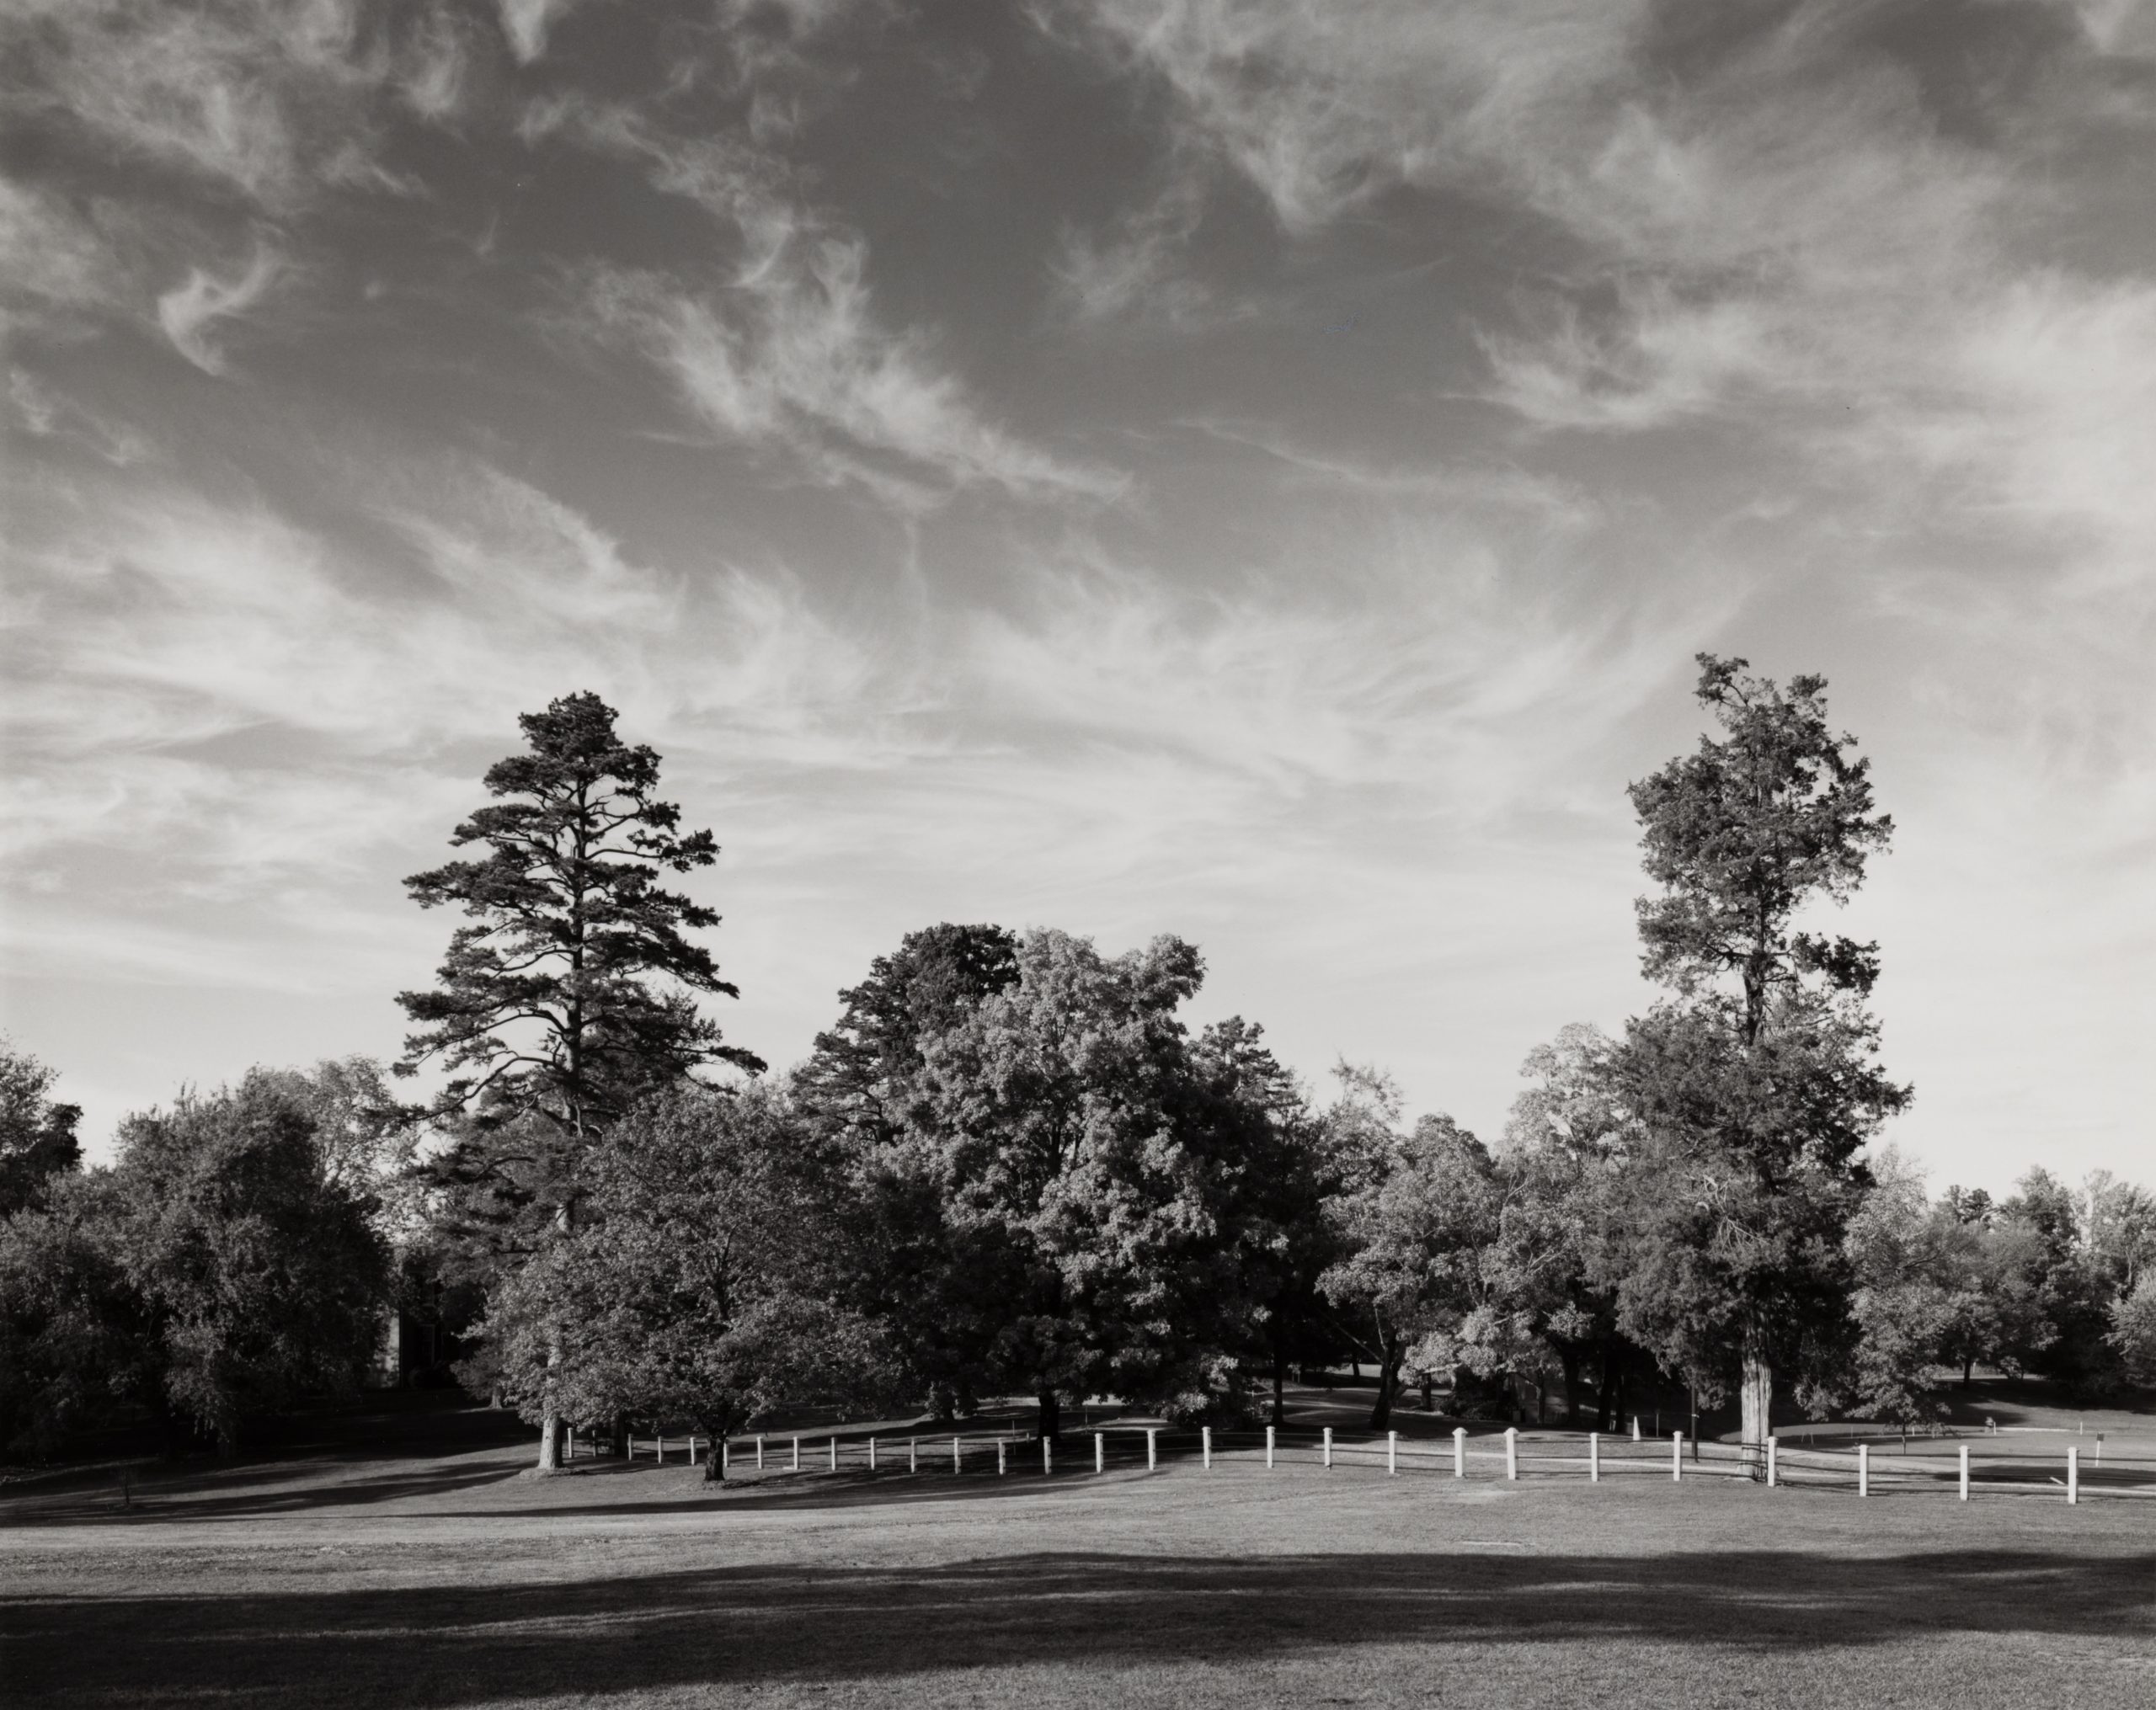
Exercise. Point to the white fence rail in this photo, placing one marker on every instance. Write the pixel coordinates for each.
(1874, 1465)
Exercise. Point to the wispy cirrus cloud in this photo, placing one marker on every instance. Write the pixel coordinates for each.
(187, 311)
(778, 346)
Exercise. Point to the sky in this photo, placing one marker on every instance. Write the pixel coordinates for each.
(1250, 470)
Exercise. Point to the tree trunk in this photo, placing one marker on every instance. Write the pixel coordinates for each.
(1051, 1412)
(1571, 1356)
(1755, 1392)
(1968, 1371)
(1388, 1386)
(550, 1429)
(1429, 1395)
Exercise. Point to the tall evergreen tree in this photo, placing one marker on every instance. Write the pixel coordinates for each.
(1756, 1085)
(571, 993)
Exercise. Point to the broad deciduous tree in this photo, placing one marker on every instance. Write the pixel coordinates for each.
(703, 1283)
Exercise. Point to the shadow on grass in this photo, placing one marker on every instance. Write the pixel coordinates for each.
(740, 1626)
(235, 1496)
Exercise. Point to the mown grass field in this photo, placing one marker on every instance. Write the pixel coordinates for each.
(435, 1572)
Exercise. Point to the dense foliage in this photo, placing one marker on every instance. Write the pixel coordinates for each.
(1011, 1167)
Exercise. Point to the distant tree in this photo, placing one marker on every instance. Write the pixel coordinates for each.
(570, 996)
(1756, 1087)
(702, 1286)
(2068, 1294)
(862, 1074)
(258, 1278)
(365, 1136)
(37, 1134)
(1564, 1140)
(2132, 1333)
(1082, 1185)
(77, 1341)
(862, 1087)
(1414, 1227)
(1275, 1166)
(1904, 1261)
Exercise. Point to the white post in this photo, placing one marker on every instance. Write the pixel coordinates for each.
(913, 1454)
(760, 1454)
(1635, 1428)
(796, 1466)
(871, 1454)
(1677, 1456)
(725, 1455)
(1593, 1457)
(1392, 1454)
(692, 1448)
(1001, 1469)
(1864, 1469)
(957, 1465)
(660, 1447)
(1511, 1451)
(835, 1454)
(1152, 1448)
(1328, 1445)
(2074, 1475)
(572, 1442)
(1965, 1472)
(1100, 1452)
(1460, 1451)
(1773, 1445)
(1205, 1445)
(1048, 1455)
(1269, 1448)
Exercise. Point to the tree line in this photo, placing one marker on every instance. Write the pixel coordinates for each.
(1010, 1168)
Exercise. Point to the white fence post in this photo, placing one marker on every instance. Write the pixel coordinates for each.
(1152, 1448)
(1269, 1448)
(760, 1454)
(2074, 1475)
(871, 1454)
(1965, 1472)
(913, 1454)
(572, 1442)
(796, 1465)
(1048, 1455)
(1100, 1452)
(692, 1448)
(1773, 1469)
(958, 1457)
(1205, 1446)
(1635, 1428)
(1391, 1453)
(1460, 1451)
(659, 1448)
(1595, 1457)
(725, 1455)
(1677, 1458)
(835, 1454)
(1328, 1445)
(1864, 1469)
(1511, 1451)
(1001, 1469)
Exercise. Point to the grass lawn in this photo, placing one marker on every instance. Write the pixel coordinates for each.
(434, 1571)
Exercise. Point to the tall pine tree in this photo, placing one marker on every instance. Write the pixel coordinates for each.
(571, 992)
(1754, 1087)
